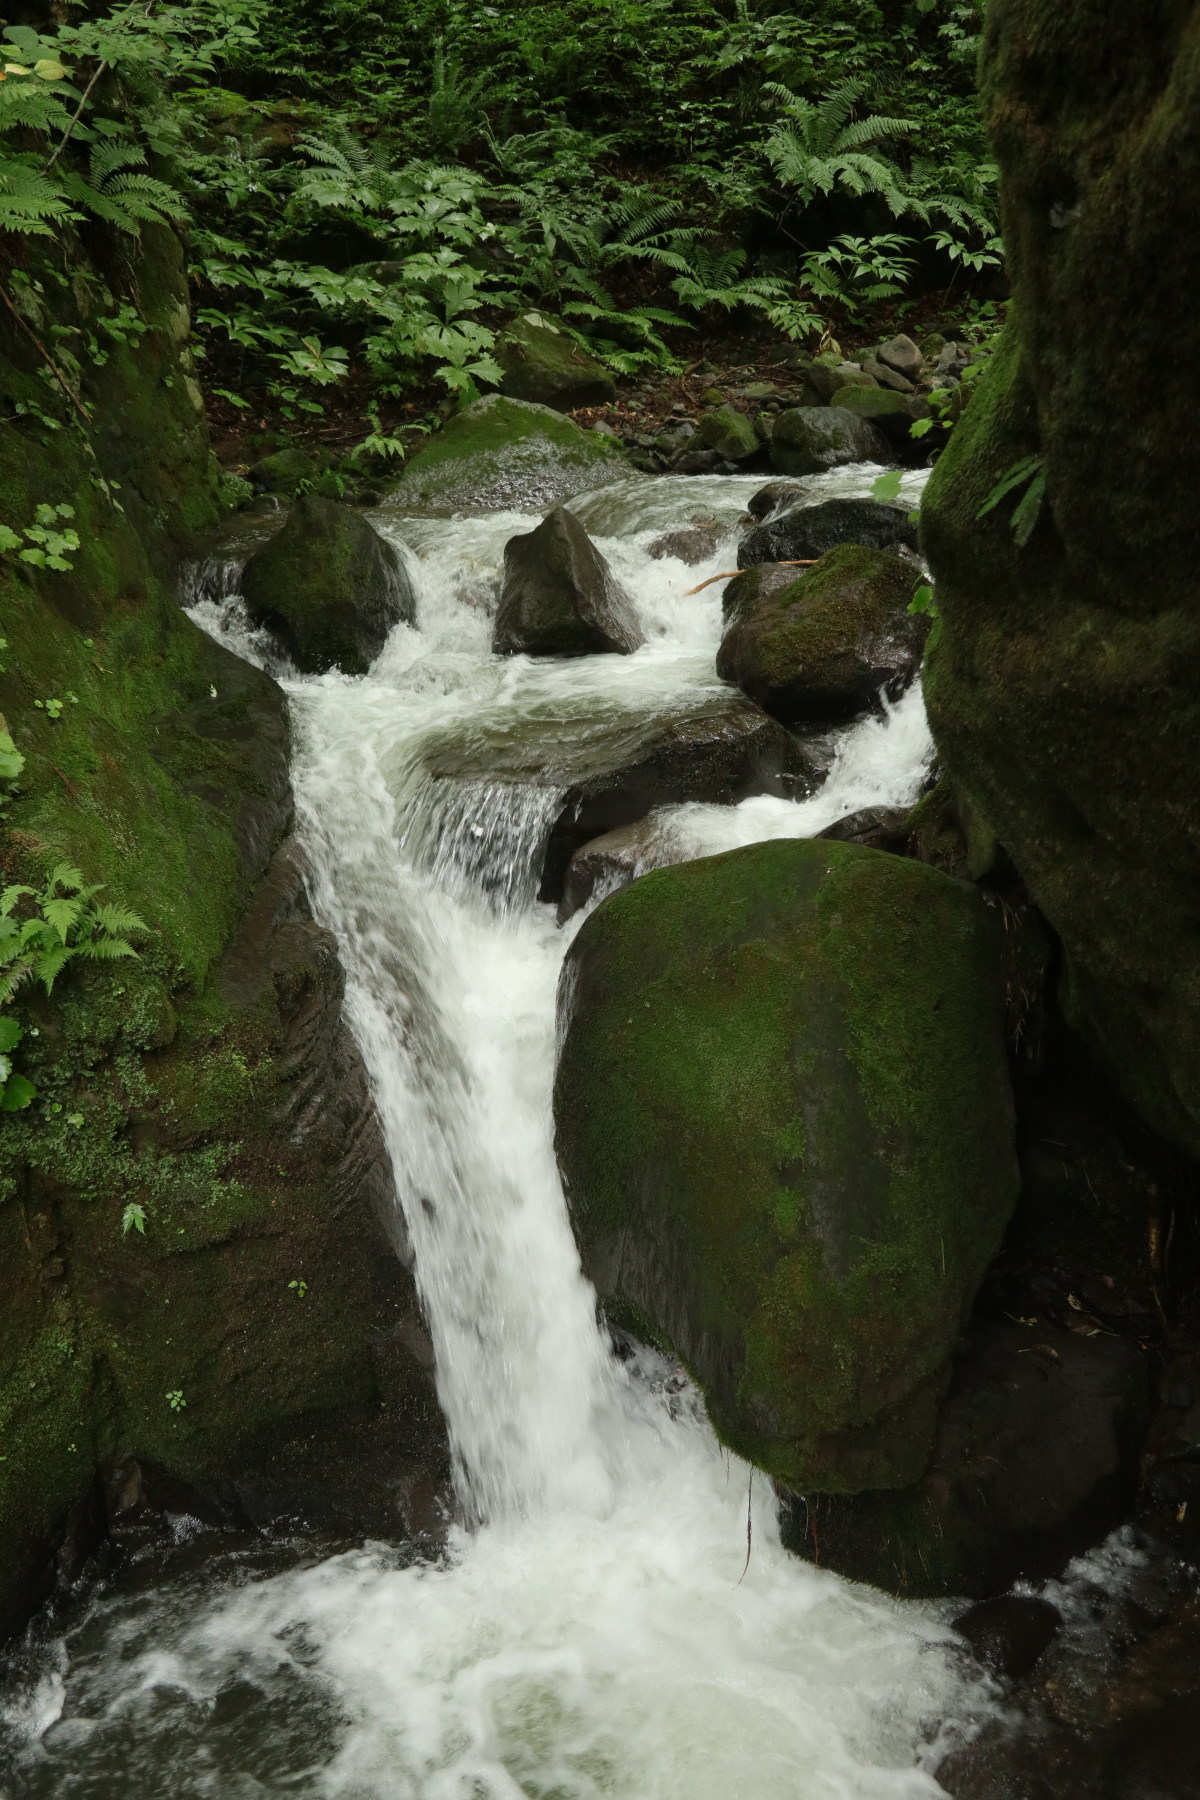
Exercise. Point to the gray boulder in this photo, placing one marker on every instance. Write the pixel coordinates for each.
(329, 587)
(559, 596)
(810, 439)
(828, 375)
(689, 543)
(806, 532)
(902, 355)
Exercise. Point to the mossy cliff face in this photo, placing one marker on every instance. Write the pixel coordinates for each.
(1063, 679)
(785, 1129)
(210, 1083)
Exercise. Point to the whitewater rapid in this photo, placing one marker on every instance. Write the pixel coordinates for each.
(593, 1627)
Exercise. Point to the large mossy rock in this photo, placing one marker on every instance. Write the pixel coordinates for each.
(803, 533)
(542, 362)
(559, 597)
(500, 453)
(329, 587)
(785, 1130)
(807, 440)
(823, 645)
(1063, 679)
(728, 432)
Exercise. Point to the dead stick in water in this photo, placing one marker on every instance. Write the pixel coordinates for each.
(728, 574)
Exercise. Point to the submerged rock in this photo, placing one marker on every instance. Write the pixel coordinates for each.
(825, 644)
(612, 861)
(559, 597)
(804, 532)
(809, 439)
(542, 362)
(786, 1135)
(500, 453)
(690, 543)
(329, 587)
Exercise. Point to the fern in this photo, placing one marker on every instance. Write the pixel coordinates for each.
(819, 147)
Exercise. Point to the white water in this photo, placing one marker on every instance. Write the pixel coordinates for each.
(590, 1632)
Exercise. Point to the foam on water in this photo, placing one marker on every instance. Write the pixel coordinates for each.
(590, 1631)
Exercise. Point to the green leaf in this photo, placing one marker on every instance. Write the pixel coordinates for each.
(10, 1034)
(17, 1094)
(1029, 511)
(887, 487)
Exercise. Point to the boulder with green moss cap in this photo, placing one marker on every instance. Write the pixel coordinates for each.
(785, 1129)
(329, 587)
(500, 453)
(823, 645)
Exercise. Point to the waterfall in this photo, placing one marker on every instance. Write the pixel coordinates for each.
(594, 1628)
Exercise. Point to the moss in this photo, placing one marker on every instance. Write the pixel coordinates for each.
(784, 1124)
(729, 433)
(330, 586)
(823, 645)
(1062, 680)
(165, 1083)
(501, 452)
(543, 363)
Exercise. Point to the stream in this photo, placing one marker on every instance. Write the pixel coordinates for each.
(592, 1626)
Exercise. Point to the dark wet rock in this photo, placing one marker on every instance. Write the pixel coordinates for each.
(329, 587)
(875, 827)
(883, 409)
(1035, 1460)
(729, 433)
(1032, 1762)
(559, 597)
(610, 772)
(807, 440)
(543, 363)
(1010, 1632)
(807, 532)
(719, 754)
(721, 1132)
(690, 543)
(776, 497)
(825, 645)
(501, 453)
(696, 462)
(612, 861)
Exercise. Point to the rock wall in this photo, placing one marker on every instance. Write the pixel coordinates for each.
(211, 1082)
(1063, 678)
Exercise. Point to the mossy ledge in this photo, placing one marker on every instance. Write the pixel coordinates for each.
(210, 1083)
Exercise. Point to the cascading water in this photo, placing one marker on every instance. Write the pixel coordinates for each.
(589, 1630)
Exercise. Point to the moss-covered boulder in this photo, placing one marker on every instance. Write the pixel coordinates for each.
(806, 440)
(286, 473)
(803, 533)
(729, 433)
(891, 412)
(786, 1134)
(1064, 676)
(826, 644)
(329, 587)
(542, 362)
(500, 453)
(559, 597)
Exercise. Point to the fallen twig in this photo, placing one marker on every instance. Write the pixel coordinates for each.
(728, 574)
